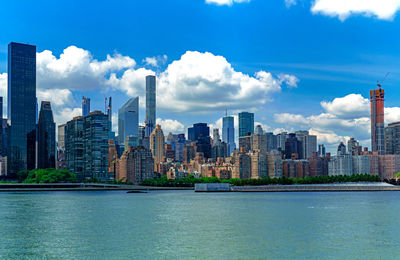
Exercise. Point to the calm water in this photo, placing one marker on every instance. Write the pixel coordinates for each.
(184, 224)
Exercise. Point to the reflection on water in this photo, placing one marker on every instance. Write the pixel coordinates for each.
(184, 224)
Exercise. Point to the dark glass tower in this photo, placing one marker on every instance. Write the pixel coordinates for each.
(21, 106)
(246, 123)
(150, 121)
(46, 137)
(85, 106)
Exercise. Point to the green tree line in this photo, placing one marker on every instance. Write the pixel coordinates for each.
(49, 175)
(191, 180)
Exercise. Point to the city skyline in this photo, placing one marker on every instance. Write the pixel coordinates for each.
(333, 90)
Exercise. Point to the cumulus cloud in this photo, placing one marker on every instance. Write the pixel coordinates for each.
(170, 125)
(76, 69)
(156, 61)
(384, 9)
(226, 2)
(200, 82)
(350, 106)
(290, 80)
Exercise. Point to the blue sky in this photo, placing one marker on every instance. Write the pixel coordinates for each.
(280, 59)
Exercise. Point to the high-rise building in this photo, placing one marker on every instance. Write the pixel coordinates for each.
(353, 146)
(46, 137)
(85, 106)
(228, 133)
(392, 138)
(74, 147)
(242, 169)
(258, 164)
(21, 107)
(293, 147)
(377, 120)
(271, 142)
(281, 140)
(321, 150)
(199, 129)
(150, 120)
(259, 143)
(308, 142)
(95, 138)
(246, 123)
(61, 163)
(341, 149)
(157, 144)
(2, 152)
(128, 120)
(216, 139)
(259, 130)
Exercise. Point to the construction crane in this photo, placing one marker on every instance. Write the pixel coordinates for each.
(379, 84)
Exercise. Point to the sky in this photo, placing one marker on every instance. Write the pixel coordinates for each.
(297, 64)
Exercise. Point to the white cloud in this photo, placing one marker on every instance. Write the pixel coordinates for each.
(170, 125)
(383, 9)
(226, 2)
(156, 61)
(350, 106)
(290, 3)
(76, 69)
(3, 92)
(328, 137)
(290, 80)
(200, 82)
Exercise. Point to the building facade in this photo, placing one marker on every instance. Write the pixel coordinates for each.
(246, 123)
(228, 132)
(150, 120)
(157, 144)
(46, 137)
(128, 120)
(85, 106)
(21, 107)
(377, 120)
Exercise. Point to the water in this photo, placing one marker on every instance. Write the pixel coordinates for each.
(184, 224)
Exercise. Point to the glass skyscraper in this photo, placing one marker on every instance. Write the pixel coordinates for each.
(85, 106)
(246, 123)
(228, 132)
(21, 106)
(128, 120)
(150, 120)
(46, 137)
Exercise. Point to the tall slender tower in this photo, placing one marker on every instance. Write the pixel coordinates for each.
(228, 132)
(21, 107)
(85, 106)
(46, 137)
(150, 104)
(377, 120)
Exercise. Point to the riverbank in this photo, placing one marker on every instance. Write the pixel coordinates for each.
(14, 187)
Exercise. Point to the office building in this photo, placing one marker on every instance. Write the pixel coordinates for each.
(61, 162)
(271, 142)
(274, 164)
(321, 150)
(353, 146)
(246, 123)
(21, 107)
(228, 133)
(258, 164)
(377, 120)
(242, 166)
(157, 144)
(85, 106)
(150, 120)
(293, 147)
(128, 120)
(95, 133)
(46, 137)
(341, 149)
(392, 138)
(74, 147)
(197, 130)
(308, 143)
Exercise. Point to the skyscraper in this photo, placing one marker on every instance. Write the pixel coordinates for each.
(228, 133)
(74, 147)
(21, 107)
(85, 106)
(46, 137)
(197, 130)
(150, 104)
(392, 138)
(377, 120)
(157, 144)
(246, 123)
(128, 119)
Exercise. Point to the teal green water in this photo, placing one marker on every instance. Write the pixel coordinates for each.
(184, 224)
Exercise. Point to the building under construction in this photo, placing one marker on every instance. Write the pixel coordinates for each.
(377, 120)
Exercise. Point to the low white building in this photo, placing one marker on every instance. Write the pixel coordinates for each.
(341, 165)
(361, 164)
